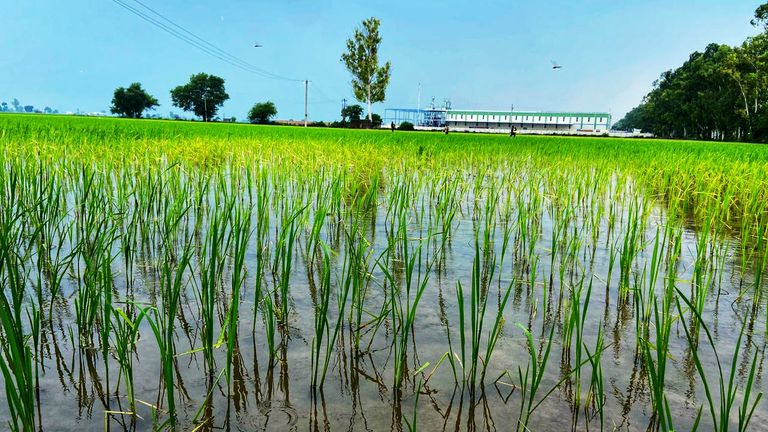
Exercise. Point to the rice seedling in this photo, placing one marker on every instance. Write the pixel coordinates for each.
(16, 362)
(472, 355)
(727, 388)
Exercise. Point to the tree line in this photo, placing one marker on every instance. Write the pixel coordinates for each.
(16, 106)
(717, 94)
(204, 94)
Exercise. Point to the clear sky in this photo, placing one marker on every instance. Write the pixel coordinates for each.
(72, 54)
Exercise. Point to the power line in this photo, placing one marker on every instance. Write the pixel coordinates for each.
(169, 26)
(198, 42)
(214, 47)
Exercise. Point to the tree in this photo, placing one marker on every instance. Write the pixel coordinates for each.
(29, 108)
(262, 112)
(369, 80)
(761, 17)
(4, 106)
(203, 95)
(375, 120)
(354, 112)
(16, 105)
(132, 101)
(47, 110)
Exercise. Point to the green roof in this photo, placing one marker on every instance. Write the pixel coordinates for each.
(531, 113)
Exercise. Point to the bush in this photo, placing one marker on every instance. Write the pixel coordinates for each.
(406, 126)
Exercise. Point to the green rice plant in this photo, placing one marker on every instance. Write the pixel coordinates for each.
(125, 334)
(262, 234)
(630, 247)
(16, 360)
(270, 323)
(324, 340)
(727, 387)
(241, 231)
(477, 308)
(656, 353)
(596, 393)
(404, 305)
(530, 381)
(284, 259)
(162, 321)
(573, 327)
(211, 270)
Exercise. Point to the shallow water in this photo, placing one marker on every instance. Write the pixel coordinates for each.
(274, 393)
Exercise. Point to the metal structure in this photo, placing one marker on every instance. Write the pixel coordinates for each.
(433, 116)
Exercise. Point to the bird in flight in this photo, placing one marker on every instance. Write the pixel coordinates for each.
(555, 65)
(257, 45)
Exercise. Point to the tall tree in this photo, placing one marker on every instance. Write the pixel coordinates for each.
(203, 95)
(132, 101)
(369, 80)
(4, 106)
(262, 112)
(17, 105)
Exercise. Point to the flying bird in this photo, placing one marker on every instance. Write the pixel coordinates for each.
(257, 46)
(555, 65)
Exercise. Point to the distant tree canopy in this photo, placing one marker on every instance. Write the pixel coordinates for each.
(262, 112)
(718, 94)
(352, 112)
(203, 95)
(406, 126)
(369, 80)
(131, 102)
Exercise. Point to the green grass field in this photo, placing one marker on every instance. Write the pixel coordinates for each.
(185, 276)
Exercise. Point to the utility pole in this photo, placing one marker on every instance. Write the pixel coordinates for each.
(418, 100)
(306, 94)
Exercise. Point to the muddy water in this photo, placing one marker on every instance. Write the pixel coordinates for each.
(274, 393)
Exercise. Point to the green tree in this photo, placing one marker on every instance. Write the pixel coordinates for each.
(353, 112)
(203, 95)
(369, 80)
(761, 17)
(375, 120)
(262, 112)
(132, 101)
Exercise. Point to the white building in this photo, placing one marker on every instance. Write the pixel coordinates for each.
(529, 122)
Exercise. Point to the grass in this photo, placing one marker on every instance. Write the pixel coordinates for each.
(359, 251)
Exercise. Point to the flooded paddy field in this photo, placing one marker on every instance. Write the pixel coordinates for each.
(177, 276)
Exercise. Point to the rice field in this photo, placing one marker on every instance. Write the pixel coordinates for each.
(185, 276)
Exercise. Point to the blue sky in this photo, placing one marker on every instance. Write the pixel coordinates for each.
(72, 54)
